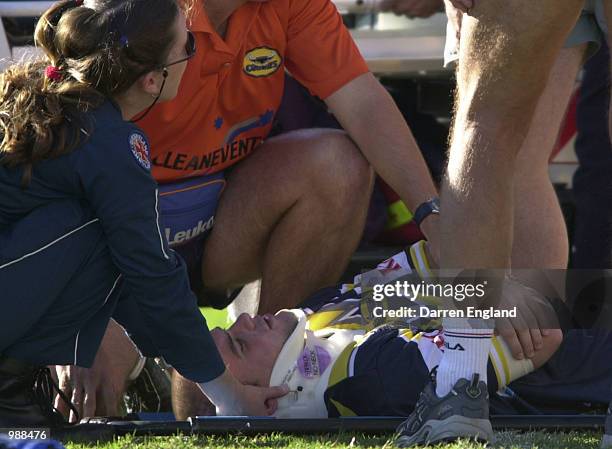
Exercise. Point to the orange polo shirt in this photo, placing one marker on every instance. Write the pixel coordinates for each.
(232, 88)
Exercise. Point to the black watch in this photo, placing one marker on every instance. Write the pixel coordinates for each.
(425, 210)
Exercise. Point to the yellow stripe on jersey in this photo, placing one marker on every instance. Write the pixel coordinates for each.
(349, 326)
(320, 320)
(417, 265)
(422, 257)
(340, 369)
(342, 410)
(346, 288)
(408, 335)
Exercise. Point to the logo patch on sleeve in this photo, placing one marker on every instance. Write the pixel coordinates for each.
(261, 61)
(313, 361)
(140, 150)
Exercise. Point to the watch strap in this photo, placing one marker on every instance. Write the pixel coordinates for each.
(425, 210)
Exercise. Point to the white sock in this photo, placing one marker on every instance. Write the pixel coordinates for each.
(466, 352)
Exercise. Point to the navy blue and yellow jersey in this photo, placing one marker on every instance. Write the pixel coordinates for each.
(380, 369)
(350, 305)
(108, 180)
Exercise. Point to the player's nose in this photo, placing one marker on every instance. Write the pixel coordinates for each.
(245, 321)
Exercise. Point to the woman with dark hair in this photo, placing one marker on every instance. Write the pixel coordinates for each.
(79, 209)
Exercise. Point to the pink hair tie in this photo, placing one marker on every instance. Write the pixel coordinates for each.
(53, 73)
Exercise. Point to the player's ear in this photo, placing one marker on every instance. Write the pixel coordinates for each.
(151, 82)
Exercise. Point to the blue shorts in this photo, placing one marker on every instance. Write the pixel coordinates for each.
(187, 211)
(579, 372)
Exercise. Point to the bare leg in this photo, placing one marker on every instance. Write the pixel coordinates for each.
(292, 213)
(540, 234)
(507, 52)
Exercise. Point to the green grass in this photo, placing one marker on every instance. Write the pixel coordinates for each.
(510, 440)
(215, 318)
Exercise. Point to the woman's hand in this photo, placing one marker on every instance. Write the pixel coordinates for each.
(254, 401)
(231, 398)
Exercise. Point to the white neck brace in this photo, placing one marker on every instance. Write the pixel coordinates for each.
(305, 364)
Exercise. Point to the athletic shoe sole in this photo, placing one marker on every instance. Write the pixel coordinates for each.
(450, 429)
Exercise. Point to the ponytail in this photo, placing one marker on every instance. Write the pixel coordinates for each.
(43, 104)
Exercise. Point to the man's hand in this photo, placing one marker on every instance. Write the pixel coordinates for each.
(535, 318)
(97, 391)
(412, 8)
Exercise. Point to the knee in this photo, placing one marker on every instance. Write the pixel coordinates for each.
(495, 141)
(339, 171)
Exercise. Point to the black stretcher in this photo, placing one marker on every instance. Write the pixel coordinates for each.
(102, 429)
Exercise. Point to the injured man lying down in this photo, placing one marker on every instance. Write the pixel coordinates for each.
(339, 359)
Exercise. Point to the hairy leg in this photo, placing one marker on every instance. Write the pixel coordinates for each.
(540, 234)
(292, 214)
(506, 55)
(507, 52)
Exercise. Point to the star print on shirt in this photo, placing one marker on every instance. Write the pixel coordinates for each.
(266, 117)
(218, 122)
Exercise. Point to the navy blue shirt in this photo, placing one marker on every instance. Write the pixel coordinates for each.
(110, 174)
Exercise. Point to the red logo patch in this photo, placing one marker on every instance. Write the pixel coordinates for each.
(140, 150)
(388, 266)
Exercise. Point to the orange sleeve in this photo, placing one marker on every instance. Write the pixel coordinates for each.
(321, 53)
